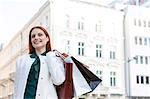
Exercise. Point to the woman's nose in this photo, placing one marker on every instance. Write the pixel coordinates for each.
(36, 36)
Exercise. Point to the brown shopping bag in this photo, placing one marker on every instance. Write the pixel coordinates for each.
(65, 90)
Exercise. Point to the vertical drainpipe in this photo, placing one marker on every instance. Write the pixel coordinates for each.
(125, 64)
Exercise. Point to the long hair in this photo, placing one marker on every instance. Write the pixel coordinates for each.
(48, 45)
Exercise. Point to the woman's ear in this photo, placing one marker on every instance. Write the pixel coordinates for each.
(47, 39)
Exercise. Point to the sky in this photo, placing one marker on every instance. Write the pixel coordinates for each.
(14, 14)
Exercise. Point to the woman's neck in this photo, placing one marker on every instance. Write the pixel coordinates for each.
(40, 51)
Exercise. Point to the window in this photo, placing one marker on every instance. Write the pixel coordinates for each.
(137, 58)
(144, 23)
(81, 48)
(112, 55)
(142, 79)
(140, 40)
(81, 24)
(67, 47)
(98, 26)
(135, 40)
(98, 50)
(137, 79)
(67, 21)
(135, 22)
(141, 59)
(147, 80)
(139, 22)
(99, 73)
(146, 60)
(112, 78)
(145, 41)
(149, 41)
(148, 23)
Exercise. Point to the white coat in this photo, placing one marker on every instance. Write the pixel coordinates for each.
(51, 72)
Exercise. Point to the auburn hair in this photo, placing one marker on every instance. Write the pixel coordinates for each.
(48, 45)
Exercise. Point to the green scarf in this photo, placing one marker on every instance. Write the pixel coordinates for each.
(32, 81)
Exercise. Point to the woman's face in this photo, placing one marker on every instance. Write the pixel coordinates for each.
(38, 39)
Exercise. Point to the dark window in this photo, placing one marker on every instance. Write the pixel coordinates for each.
(147, 80)
(146, 60)
(141, 59)
(137, 79)
(142, 79)
(140, 41)
(81, 48)
(145, 41)
(98, 50)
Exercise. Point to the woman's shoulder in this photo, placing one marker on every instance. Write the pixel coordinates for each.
(22, 57)
(51, 53)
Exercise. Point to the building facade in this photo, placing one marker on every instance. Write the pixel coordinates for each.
(88, 31)
(137, 45)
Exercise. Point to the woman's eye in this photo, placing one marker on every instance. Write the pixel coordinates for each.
(40, 34)
(33, 36)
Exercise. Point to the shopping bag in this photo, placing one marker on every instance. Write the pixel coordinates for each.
(92, 80)
(84, 81)
(65, 90)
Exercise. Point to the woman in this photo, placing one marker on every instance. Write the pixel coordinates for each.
(38, 71)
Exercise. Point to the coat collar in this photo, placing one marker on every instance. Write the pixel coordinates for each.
(29, 61)
(34, 55)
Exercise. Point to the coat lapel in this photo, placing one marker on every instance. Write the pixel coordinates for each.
(29, 63)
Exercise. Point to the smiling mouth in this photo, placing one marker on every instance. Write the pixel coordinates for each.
(37, 42)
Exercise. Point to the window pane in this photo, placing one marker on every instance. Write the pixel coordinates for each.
(142, 79)
(147, 80)
(137, 79)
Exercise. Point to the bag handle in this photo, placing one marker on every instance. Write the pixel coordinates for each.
(61, 55)
(67, 65)
(64, 55)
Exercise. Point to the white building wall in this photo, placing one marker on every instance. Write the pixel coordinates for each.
(111, 37)
(134, 15)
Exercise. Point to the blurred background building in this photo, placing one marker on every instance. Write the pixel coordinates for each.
(110, 36)
(1, 46)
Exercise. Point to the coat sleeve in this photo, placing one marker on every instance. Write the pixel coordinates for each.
(56, 68)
